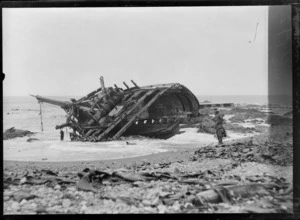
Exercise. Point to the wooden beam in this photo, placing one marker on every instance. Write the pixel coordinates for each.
(135, 84)
(88, 95)
(102, 85)
(125, 114)
(125, 127)
(126, 85)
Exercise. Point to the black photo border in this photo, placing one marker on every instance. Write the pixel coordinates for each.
(295, 6)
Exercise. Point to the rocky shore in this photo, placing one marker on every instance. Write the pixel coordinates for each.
(251, 175)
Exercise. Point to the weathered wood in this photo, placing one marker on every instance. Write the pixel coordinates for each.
(93, 127)
(183, 116)
(215, 195)
(98, 132)
(87, 109)
(127, 97)
(159, 86)
(92, 119)
(62, 125)
(125, 127)
(86, 101)
(135, 84)
(121, 117)
(135, 95)
(210, 196)
(126, 85)
(88, 95)
(106, 106)
(52, 101)
(98, 106)
(95, 105)
(102, 85)
(101, 97)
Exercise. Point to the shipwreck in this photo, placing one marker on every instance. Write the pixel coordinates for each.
(109, 113)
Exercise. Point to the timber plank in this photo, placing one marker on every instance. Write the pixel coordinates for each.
(125, 127)
(122, 116)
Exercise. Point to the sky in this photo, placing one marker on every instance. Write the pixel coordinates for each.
(64, 51)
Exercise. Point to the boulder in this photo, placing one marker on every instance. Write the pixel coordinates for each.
(13, 133)
(275, 120)
(288, 114)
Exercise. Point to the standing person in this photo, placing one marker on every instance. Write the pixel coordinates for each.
(62, 134)
(220, 131)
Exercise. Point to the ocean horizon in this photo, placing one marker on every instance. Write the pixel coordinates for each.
(236, 99)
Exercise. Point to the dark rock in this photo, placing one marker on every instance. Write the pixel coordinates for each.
(243, 152)
(239, 128)
(288, 114)
(13, 133)
(274, 120)
(242, 114)
(32, 139)
(22, 194)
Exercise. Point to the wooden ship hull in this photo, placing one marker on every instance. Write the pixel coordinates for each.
(109, 113)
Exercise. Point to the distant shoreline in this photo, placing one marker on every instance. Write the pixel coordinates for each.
(236, 99)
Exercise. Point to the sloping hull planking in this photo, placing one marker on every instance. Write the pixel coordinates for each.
(109, 113)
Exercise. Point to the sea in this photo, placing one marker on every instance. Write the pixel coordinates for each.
(27, 114)
(285, 100)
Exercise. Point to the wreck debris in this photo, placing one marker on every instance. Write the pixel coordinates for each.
(109, 113)
(269, 153)
(32, 139)
(20, 195)
(153, 191)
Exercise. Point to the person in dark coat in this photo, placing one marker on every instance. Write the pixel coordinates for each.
(62, 134)
(220, 130)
